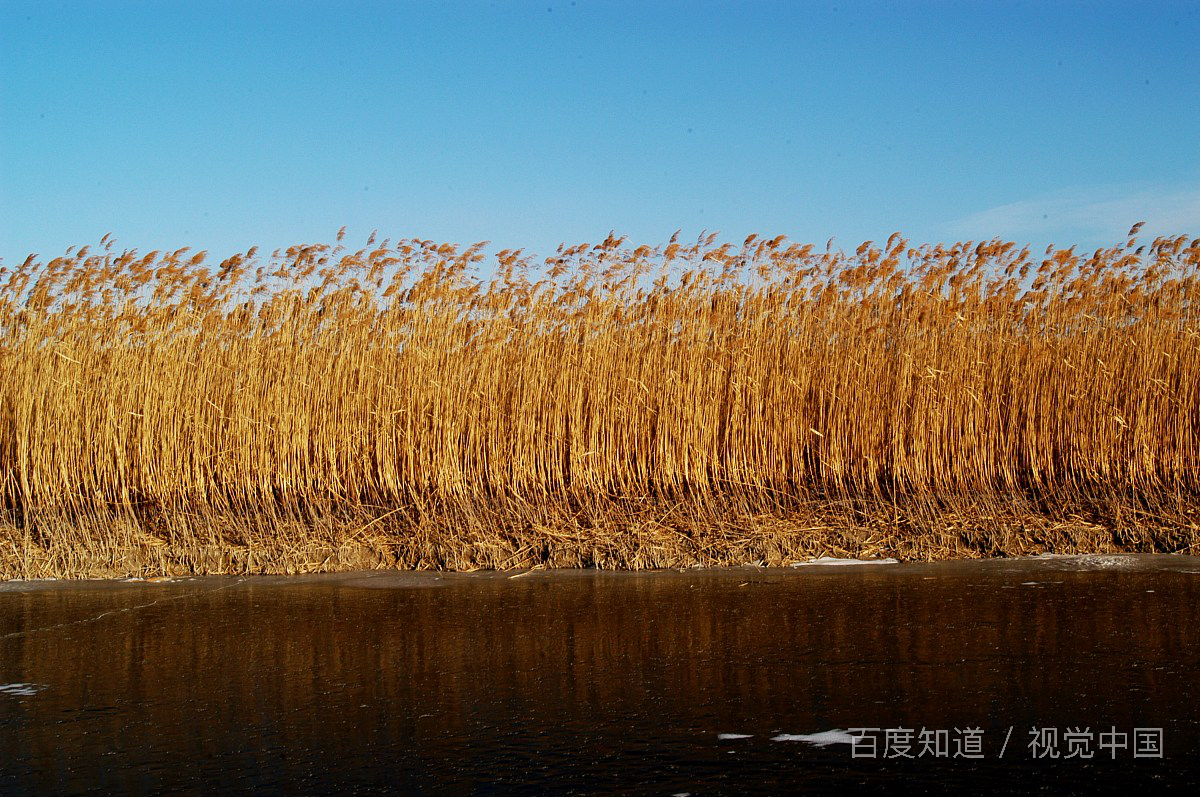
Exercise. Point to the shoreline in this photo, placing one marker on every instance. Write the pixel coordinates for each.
(651, 538)
(826, 567)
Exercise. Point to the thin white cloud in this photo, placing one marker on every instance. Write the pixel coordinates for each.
(1086, 216)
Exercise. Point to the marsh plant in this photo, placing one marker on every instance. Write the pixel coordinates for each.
(415, 404)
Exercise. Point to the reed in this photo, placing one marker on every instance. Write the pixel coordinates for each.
(415, 404)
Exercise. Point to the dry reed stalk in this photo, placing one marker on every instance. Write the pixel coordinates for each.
(616, 406)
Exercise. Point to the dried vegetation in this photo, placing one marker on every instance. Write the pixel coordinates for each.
(417, 405)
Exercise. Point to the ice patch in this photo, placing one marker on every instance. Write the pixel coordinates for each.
(821, 739)
(831, 560)
(1093, 561)
(21, 689)
(731, 736)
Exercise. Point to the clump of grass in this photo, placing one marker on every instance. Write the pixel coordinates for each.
(418, 404)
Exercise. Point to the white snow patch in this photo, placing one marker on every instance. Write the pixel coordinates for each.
(821, 739)
(830, 560)
(730, 736)
(21, 689)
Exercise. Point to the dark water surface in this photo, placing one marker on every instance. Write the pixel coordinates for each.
(619, 683)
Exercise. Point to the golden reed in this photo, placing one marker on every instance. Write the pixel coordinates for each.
(414, 404)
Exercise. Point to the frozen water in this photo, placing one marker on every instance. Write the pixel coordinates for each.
(830, 560)
(1092, 561)
(21, 689)
(820, 739)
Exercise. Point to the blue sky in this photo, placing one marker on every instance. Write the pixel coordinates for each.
(226, 125)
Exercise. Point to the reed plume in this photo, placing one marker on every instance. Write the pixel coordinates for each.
(419, 404)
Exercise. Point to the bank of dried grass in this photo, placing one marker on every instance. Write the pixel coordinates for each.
(614, 406)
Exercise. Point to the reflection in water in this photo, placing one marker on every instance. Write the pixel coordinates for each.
(591, 682)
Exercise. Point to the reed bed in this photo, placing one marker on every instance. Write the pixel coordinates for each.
(422, 405)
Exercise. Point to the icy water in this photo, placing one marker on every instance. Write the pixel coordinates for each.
(702, 682)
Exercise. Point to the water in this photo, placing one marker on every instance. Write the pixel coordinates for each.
(700, 682)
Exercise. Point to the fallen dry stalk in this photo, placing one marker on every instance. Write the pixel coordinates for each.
(615, 406)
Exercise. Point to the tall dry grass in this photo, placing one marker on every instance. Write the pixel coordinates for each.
(417, 404)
